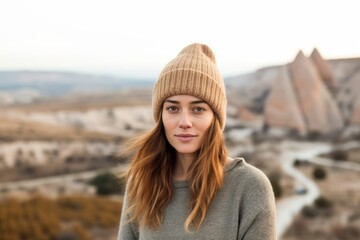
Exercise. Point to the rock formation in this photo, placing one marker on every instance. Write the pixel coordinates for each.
(308, 95)
(348, 98)
(355, 117)
(319, 108)
(300, 100)
(323, 68)
(281, 107)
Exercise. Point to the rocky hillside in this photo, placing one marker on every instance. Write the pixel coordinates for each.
(306, 97)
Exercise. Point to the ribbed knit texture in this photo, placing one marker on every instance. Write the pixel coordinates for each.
(192, 72)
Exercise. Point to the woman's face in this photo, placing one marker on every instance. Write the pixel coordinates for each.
(186, 119)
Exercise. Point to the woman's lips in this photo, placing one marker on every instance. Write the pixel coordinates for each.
(185, 137)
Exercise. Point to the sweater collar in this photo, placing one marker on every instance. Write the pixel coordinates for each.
(227, 168)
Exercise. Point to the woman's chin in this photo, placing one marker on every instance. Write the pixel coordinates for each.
(186, 151)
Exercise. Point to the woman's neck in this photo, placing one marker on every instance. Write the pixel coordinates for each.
(183, 162)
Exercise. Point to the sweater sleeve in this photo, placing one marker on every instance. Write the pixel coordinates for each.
(262, 228)
(127, 229)
(258, 211)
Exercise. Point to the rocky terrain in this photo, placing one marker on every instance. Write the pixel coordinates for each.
(45, 140)
(308, 97)
(335, 214)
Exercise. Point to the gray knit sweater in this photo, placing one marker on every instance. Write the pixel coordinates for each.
(243, 209)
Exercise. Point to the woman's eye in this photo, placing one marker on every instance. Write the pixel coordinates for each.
(198, 109)
(172, 109)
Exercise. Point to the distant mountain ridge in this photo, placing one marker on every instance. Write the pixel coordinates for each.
(53, 83)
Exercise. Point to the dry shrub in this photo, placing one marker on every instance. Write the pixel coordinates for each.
(32, 219)
(339, 155)
(323, 203)
(42, 218)
(309, 212)
(319, 173)
(348, 232)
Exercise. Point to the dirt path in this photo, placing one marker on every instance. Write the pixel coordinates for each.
(288, 208)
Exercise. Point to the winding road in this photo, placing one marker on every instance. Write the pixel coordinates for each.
(287, 208)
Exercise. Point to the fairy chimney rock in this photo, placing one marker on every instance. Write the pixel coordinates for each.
(281, 107)
(323, 68)
(318, 107)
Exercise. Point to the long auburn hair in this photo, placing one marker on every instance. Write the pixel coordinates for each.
(149, 177)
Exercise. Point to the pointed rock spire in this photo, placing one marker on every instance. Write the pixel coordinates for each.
(281, 107)
(323, 68)
(318, 107)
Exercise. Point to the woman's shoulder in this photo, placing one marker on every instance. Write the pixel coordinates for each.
(252, 184)
(242, 172)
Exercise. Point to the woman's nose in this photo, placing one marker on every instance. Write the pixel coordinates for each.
(185, 121)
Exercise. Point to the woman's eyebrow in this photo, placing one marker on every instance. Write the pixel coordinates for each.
(197, 102)
(172, 101)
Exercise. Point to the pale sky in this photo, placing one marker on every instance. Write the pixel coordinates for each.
(138, 37)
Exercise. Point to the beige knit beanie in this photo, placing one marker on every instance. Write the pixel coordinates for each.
(192, 72)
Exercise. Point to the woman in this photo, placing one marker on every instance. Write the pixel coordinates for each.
(181, 182)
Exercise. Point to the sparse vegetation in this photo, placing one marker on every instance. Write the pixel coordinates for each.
(43, 218)
(319, 173)
(297, 162)
(107, 183)
(323, 203)
(335, 214)
(321, 206)
(309, 211)
(339, 155)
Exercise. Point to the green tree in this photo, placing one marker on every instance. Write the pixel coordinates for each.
(107, 183)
